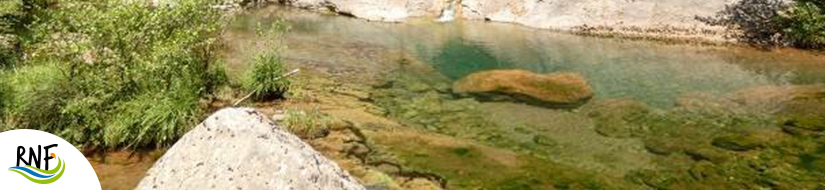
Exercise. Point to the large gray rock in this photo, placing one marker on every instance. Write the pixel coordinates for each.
(242, 149)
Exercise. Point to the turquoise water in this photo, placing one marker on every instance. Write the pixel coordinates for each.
(652, 72)
(404, 71)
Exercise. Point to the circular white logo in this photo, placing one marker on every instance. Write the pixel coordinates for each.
(35, 159)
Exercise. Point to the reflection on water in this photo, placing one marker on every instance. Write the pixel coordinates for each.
(650, 72)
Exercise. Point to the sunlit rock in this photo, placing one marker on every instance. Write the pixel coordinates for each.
(242, 149)
(551, 90)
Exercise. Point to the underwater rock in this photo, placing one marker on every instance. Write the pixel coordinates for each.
(618, 118)
(804, 114)
(242, 149)
(748, 140)
(797, 106)
(549, 90)
(774, 98)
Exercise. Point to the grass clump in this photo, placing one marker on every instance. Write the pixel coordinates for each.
(266, 80)
(29, 92)
(307, 124)
(112, 73)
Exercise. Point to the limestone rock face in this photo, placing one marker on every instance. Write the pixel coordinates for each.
(645, 18)
(242, 149)
(376, 10)
(565, 14)
(557, 89)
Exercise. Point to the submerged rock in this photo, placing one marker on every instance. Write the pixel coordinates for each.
(241, 149)
(749, 140)
(797, 106)
(551, 90)
(775, 98)
(619, 118)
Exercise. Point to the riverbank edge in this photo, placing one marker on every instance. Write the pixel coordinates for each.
(661, 32)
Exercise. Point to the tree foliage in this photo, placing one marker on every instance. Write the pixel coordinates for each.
(804, 24)
(800, 23)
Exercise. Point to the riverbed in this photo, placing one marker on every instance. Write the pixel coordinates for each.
(664, 115)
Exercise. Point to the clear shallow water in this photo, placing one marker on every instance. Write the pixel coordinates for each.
(608, 141)
(652, 72)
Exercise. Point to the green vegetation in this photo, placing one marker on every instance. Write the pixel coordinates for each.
(800, 23)
(805, 24)
(10, 12)
(465, 165)
(266, 80)
(109, 73)
(308, 124)
(703, 142)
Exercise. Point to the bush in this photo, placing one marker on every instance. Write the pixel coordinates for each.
(116, 74)
(755, 19)
(9, 12)
(804, 24)
(266, 79)
(774, 22)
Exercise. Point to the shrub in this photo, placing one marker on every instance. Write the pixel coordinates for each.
(804, 24)
(266, 79)
(9, 12)
(755, 19)
(775, 22)
(119, 74)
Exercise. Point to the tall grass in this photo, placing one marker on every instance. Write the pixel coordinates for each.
(114, 74)
(265, 80)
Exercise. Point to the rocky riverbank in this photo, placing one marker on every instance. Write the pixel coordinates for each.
(651, 19)
(242, 149)
(393, 121)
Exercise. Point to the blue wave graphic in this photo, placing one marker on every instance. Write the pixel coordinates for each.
(31, 172)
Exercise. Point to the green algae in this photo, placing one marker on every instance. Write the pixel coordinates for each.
(703, 143)
(489, 167)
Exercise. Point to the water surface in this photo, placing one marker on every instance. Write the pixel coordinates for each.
(642, 78)
(651, 72)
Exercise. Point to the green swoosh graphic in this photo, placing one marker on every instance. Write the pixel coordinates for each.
(44, 181)
(52, 171)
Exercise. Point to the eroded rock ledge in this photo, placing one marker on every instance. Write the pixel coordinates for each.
(242, 149)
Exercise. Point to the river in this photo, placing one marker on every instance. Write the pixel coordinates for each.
(661, 113)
